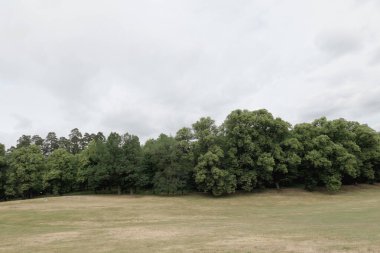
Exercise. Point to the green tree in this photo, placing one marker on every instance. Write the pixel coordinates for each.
(60, 173)
(50, 143)
(324, 162)
(206, 134)
(260, 150)
(24, 141)
(170, 176)
(64, 143)
(211, 171)
(87, 138)
(133, 173)
(211, 177)
(24, 176)
(37, 140)
(3, 168)
(94, 170)
(75, 138)
(185, 156)
(115, 163)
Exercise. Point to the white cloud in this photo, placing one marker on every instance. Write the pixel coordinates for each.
(154, 66)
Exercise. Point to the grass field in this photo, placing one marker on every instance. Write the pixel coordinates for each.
(288, 221)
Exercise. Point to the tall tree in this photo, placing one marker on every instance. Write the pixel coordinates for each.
(37, 140)
(75, 138)
(115, 163)
(87, 138)
(24, 141)
(64, 143)
(50, 143)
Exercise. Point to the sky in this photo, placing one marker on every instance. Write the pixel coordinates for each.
(148, 67)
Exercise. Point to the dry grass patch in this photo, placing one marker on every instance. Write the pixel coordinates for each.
(291, 220)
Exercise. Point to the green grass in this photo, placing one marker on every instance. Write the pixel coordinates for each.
(292, 220)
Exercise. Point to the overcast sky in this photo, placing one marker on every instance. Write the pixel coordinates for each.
(147, 67)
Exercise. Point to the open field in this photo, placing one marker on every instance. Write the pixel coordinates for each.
(289, 221)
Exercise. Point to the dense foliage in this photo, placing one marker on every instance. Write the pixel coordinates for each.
(250, 150)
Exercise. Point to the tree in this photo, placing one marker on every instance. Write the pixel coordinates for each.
(324, 162)
(211, 173)
(87, 138)
(134, 174)
(50, 143)
(287, 161)
(259, 149)
(64, 143)
(75, 138)
(211, 177)
(206, 134)
(60, 174)
(94, 171)
(3, 167)
(185, 154)
(26, 166)
(24, 141)
(115, 163)
(250, 150)
(166, 160)
(37, 140)
(368, 142)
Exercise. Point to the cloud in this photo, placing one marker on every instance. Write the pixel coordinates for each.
(151, 66)
(337, 43)
(375, 57)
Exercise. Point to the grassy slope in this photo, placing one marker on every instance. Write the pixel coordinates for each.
(290, 221)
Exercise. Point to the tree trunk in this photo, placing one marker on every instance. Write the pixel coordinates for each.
(118, 189)
(277, 186)
(131, 191)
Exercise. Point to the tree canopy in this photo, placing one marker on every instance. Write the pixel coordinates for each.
(250, 150)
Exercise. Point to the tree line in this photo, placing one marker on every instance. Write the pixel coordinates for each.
(249, 150)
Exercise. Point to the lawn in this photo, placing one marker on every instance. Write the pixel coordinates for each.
(291, 220)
